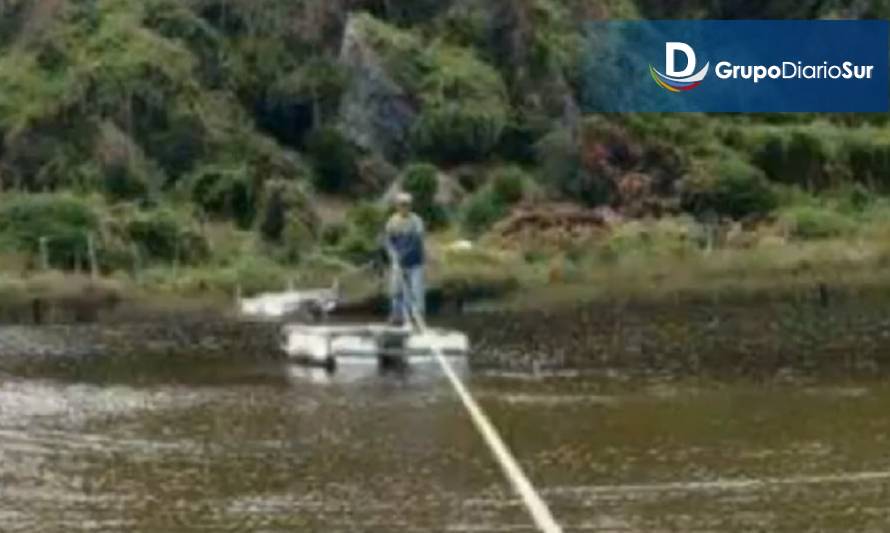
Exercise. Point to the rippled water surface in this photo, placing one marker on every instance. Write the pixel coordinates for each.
(277, 448)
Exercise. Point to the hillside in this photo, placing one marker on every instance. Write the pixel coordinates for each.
(209, 143)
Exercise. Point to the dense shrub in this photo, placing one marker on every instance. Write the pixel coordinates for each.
(814, 222)
(176, 21)
(285, 222)
(274, 218)
(869, 163)
(298, 240)
(332, 234)
(334, 159)
(177, 145)
(126, 174)
(506, 187)
(509, 184)
(422, 182)
(481, 211)
(464, 108)
(124, 182)
(798, 157)
(518, 140)
(163, 235)
(457, 132)
(364, 228)
(282, 201)
(64, 221)
(225, 191)
(733, 189)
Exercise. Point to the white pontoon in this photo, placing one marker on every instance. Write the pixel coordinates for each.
(323, 344)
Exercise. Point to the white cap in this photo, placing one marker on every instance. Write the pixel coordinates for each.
(403, 198)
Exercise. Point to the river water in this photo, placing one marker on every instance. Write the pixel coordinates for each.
(262, 446)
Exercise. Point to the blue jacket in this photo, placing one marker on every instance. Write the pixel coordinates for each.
(405, 236)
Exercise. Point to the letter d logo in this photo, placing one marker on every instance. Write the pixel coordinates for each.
(677, 81)
(670, 55)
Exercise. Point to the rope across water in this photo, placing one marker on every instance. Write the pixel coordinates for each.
(534, 504)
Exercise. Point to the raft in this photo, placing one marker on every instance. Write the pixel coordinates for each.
(324, 344)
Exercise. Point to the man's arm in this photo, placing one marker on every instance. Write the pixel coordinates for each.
(387, 245)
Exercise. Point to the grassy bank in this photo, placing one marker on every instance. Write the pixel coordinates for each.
(806, 245)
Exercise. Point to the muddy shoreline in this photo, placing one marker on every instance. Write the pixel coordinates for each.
(810, 332)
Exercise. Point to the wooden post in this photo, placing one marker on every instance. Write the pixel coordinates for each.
(137, 262)
(91, 251)
(44, 253)
(176, 254)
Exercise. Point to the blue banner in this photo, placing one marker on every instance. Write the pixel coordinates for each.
(737, 66)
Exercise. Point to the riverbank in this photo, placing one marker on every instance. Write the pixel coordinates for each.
(645, 262)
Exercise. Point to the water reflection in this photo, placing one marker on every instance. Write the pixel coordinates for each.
(416, 370)
(277, 447)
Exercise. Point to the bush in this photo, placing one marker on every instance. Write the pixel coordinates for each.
(334, 159)
(333, 234)
(283, 202)
(177, 146)
(163, 235)
(122, 183)
(736, 190)
(176, 21)
(367, 218)
(797, 158)
(509, 184)
(812, 222)
(299, 240)
(225, 191)
(65, 221)
(421, 180)
(126, 174)
(560, 160)
(506, 187)
(869, 163)
(465, 108)
(457, 132)
(286, 221)
(481, 211)
(361, 239)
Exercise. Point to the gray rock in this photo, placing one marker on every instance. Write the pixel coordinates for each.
(375, 112)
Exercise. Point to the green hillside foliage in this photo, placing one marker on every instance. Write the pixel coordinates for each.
(198, 132)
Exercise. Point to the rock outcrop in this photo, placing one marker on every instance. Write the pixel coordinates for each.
(376, 113)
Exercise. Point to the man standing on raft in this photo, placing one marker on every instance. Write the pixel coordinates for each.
(404, 241)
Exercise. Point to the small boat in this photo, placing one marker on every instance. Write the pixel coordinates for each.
(323, 344)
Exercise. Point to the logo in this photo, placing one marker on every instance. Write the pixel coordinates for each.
(677, 81)
(736, 66)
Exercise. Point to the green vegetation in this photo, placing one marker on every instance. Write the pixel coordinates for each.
(199, 145)
(505, 188)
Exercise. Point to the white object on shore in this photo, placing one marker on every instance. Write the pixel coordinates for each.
(283, 304)
(462, 245)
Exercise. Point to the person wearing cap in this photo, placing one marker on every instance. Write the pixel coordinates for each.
(404, 239)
